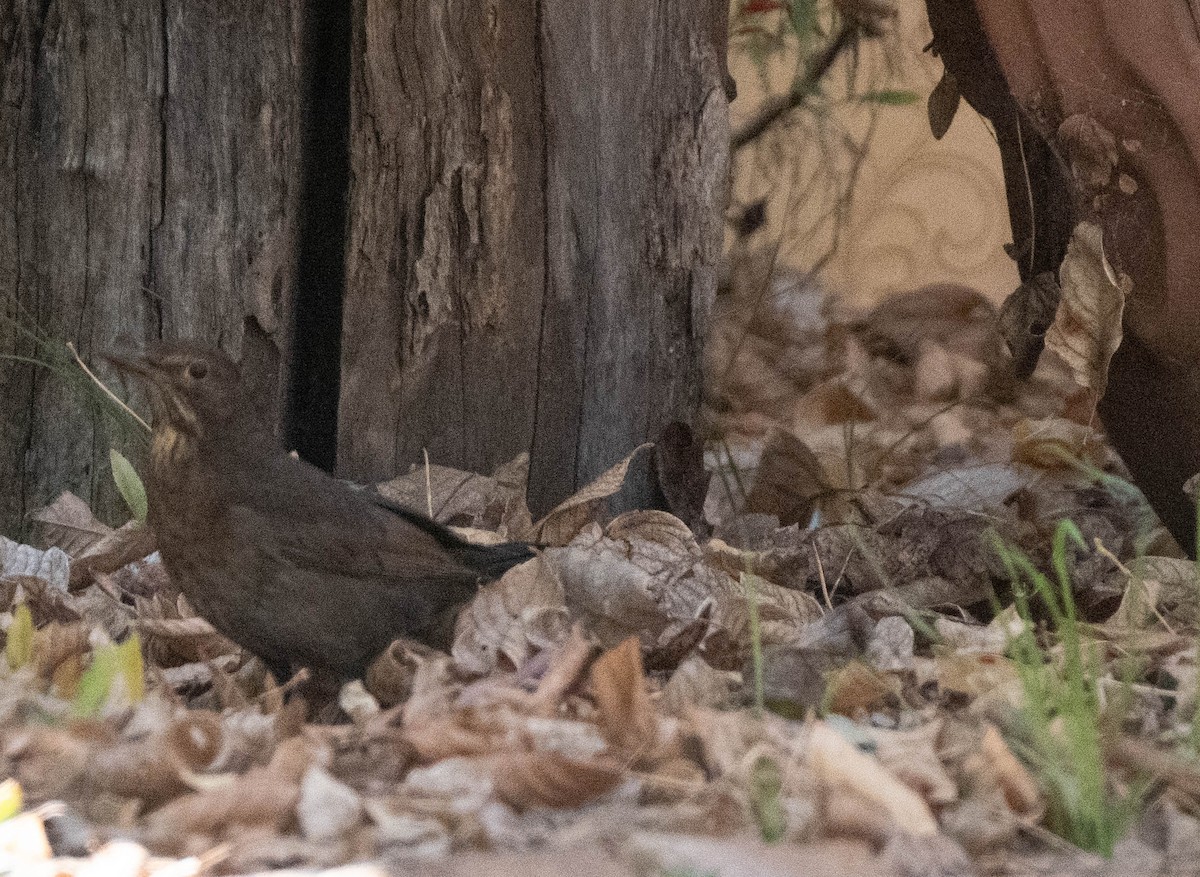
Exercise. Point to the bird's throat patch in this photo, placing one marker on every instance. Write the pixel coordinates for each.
(169, 447)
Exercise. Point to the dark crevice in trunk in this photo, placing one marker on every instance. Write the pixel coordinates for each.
(310, 415)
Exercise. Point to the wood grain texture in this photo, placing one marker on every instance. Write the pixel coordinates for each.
(534, 231)
(146, 184)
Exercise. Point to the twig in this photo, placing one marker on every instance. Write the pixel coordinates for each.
(773, 109)
(109, 393)
(428, 483)
(821, 573)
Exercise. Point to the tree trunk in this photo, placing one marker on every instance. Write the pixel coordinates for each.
(149, 181)
(1125, 66)
(534, 232)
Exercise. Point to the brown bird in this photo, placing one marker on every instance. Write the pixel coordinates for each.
(297, 567)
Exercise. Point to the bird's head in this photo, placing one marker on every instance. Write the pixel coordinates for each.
(192, 388)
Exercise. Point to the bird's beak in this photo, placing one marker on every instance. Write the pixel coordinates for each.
(139, 366)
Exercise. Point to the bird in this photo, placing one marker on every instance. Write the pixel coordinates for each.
(299, 568)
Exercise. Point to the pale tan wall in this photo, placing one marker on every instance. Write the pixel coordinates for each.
(922, 211)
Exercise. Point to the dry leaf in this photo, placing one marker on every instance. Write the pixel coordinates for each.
(466, 498)
(1025, 317)
(943, 104)
(912, 757)
(131, 542)
(624, 711)
(569, 517)
(391, 676)
(788, 480)
(840, 765)
(511, 619)
(68, 523)
(857, 687)
(1020, 789)
(1087, 329)
(1055, 443)
(1091, 148)
(546, 779)
(327, 808)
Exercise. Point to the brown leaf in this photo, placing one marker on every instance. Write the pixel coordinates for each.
(625, 714)
(55, 643)
(569, 517)
(1087, 329)
(547, 779)
(1025, 317)
(788, 481)
(943, 104)
(857, 687)
(1020, 789)
(69, 524)
(131, 542)
(511, 619)
(391, 676)
(154, 769)
(466, 498)
(1092, 149)
(842, 768)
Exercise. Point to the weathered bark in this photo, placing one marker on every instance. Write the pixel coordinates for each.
(1130, 66)
(534, 231)
(148, 183)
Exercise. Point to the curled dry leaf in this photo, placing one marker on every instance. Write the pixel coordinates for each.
(48, 762)
(174, 634)
(569, 517)
(1020, 789)
(156, 769)
(1092, 149)
(94, 547)
(528, 780)
(133, 541)
(912, 756)
(1055, 443)
(68, 523)
(788, 481)
(695, 683)
(1087, 328)
(565, 662)
(624, 711)
(511, 619)
(56, 644)
(1025, 317)
(841, 766)
(391, 676)
(857, 687)
(647, 573)
(327, 808)
(262, 797)
(466, 498)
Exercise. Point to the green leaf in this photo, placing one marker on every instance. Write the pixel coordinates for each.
(766, 784)
(132, 669)
(11, 799)
(110, 664)
(129, 485)
(96, 682)
(18, 647)
(891, 97)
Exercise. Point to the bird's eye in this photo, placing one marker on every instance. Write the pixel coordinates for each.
(197, 370)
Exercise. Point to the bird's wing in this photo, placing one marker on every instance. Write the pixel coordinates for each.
(304, 517)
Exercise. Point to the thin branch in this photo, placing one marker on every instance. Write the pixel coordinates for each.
(109, 393)
(779, 106)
